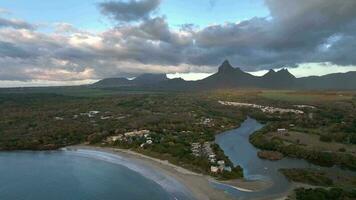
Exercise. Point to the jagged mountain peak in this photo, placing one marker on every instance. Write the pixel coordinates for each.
(285, 72)
(225, 67)
(270, 73)
(282, 73)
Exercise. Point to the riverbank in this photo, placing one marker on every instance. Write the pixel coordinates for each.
(270, 155)
(199, 185)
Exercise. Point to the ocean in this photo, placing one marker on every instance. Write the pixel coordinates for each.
(82, 175)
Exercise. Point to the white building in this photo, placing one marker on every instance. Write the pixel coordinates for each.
(221, 162)
(214, 169)
(282, 130)
(137, 133)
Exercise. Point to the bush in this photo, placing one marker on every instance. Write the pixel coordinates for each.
(323, 194)
(325, 138)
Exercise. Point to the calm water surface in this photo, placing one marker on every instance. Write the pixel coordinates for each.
(81, 175)
(236, 145)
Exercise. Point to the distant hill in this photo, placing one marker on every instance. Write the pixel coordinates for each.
(337, 81)
(150, 78)
(142, 80)
(230, 77)
(282, 79)
(113, 82)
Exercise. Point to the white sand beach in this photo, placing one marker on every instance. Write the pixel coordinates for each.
(198, 184)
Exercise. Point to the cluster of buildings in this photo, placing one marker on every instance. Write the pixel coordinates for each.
(219, 167)
(205, 150)
(266, 109)
(206, 121)
(127, 136)
(200, 150)
(90, 114)
(305, 106)
(93, 114)
(196, 149)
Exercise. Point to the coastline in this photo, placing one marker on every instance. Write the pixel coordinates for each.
(199, 185)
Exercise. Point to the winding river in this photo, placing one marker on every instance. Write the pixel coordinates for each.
(236, 145)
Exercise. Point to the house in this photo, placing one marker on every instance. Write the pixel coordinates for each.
(214, 169)
(221, 168)
(105, 117)
(94, 112)
(59, 118)
(221, 162)
(114, 138)
(282, 130)
(212, 156)
(137, 133)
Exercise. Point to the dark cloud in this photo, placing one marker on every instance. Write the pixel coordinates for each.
(284, 38)
(296, 32)
(132, 10)
(17, 24)
(10, 50)
(293, 34)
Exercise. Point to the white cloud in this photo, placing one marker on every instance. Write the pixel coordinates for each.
(42, 83)
(189, 76)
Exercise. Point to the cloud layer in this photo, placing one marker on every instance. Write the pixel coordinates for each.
(303, 31)
(132, 10)
(13, 23)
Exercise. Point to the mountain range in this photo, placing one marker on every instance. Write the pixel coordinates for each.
(229, 77)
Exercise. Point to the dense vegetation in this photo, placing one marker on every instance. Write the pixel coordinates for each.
(324, 194)
(333, 121)
(42, 121)
(322, 158)
(50, 118)
(308, 177)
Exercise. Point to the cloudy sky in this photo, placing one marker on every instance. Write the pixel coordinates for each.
(75, 42)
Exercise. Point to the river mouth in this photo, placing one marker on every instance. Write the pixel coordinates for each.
(236, 145)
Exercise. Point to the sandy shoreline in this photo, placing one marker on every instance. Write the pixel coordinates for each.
(198, 184)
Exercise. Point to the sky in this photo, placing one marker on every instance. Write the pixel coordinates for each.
(77, 42)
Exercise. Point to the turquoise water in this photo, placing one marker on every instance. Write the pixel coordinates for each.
(82, 175)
